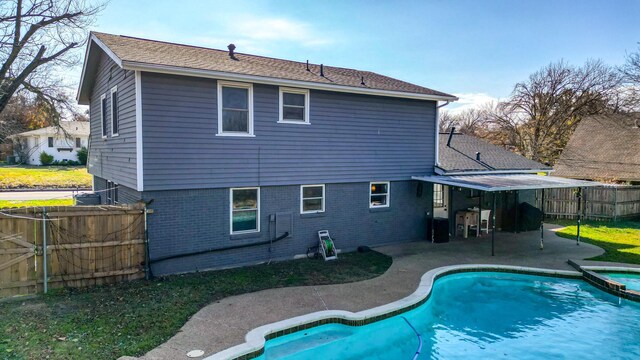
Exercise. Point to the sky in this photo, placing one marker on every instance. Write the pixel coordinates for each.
(477, 50)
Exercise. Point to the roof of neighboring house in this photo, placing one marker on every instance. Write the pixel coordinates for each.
(461, 156)
(603, 147)
(151, 55)
(73, 128)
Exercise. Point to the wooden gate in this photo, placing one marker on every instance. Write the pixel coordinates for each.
(17, 265)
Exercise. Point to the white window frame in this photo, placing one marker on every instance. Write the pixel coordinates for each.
(257, 230)
(114, 90)
(103, 97)
(438, 189)
(304, 92)
(302, 199)
(240, 85)
(388, 194)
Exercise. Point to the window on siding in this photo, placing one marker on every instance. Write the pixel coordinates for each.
(438, 196)
(50, 142)
(235, 109)
(379, 194)
(78, 142)
(103, 114)
(245, 210)
(111, 193)
(311, 199)
(115, 118)
(294, 106)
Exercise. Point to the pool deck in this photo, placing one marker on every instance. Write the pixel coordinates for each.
(225, 323)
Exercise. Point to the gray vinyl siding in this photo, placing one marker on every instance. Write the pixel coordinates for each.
(186, 221)
(352, 138)
(114, 158)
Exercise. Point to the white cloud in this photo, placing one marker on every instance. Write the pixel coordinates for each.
(469, 101)
(277, 29)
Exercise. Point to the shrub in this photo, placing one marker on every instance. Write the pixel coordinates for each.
(45, 159)
(82, 155)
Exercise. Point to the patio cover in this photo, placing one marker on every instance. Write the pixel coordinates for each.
(505, 182)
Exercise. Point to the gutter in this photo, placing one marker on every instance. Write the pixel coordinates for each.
(440, 171)
(173, 70)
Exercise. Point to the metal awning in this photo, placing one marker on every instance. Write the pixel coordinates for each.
(506, 182)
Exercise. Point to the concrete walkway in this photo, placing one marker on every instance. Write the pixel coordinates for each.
(223, 324)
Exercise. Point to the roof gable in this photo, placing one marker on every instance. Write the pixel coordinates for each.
(71, 128)
(603, 147)
(461, 156)
(156, 56)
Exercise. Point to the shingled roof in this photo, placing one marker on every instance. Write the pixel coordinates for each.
(603, 147)
(460, 157)
(143, 54)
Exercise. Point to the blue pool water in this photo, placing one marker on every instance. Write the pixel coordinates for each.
(631, 280)
(485, 315)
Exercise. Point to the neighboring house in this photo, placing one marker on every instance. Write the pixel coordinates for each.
(604, 148)
(236, 150)
(62, 142)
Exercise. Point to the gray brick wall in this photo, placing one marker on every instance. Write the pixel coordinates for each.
(193, 220)
(126, 195)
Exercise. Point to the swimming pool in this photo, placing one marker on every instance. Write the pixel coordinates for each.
(631, 280)
(484, 315)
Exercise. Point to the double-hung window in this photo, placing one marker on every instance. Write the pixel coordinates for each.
(235, 109)
(103, 114)
(245, 210)
(78, 142)
(311, 199)
(379, 194)
(115, 126)
(50, 142)
(294, 106)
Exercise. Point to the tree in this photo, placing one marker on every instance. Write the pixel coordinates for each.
(37, 38)
(25, 113)
(542, 112)
(473, 121)
(631, 69)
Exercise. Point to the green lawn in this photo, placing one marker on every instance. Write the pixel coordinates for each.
(26, 203)
(41, 177)
(132, 318)
(620, 240)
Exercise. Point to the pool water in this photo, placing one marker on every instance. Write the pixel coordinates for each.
(632, 281)
(485, 315)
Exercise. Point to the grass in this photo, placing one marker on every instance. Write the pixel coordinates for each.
(132, 318)
(620, 240)
(44, 177)
(4, 204)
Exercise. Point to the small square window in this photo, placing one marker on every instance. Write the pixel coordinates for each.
(311, 199)
(245, 210)
(294, 106)
(235, 109)
(379, 194)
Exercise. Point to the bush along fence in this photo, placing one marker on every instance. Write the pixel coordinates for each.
(70, 246)
(609, 202)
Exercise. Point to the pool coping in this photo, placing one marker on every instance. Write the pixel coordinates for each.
(591, 275)
(255, 339)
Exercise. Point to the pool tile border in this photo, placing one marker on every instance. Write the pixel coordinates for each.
(255, 339)
(603, 283)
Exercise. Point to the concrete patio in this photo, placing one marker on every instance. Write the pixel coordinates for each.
(223, 324)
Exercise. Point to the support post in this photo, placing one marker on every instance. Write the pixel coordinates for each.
(542, 221)
(44, 250)
(479, 226)
(517, 226)
(147, 266)
(493, 225)
(579, 215)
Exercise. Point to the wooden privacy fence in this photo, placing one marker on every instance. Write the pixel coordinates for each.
(85, 245)
(607, 202)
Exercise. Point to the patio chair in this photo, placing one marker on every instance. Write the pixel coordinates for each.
(485, 215)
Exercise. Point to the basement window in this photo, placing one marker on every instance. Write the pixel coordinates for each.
(379, 194)
(294, 106)
(245, 210)
(311, 199)
(235, 109)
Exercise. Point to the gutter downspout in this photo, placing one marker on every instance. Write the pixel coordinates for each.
(438, 130)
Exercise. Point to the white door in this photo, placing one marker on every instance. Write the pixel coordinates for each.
(440, 201)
